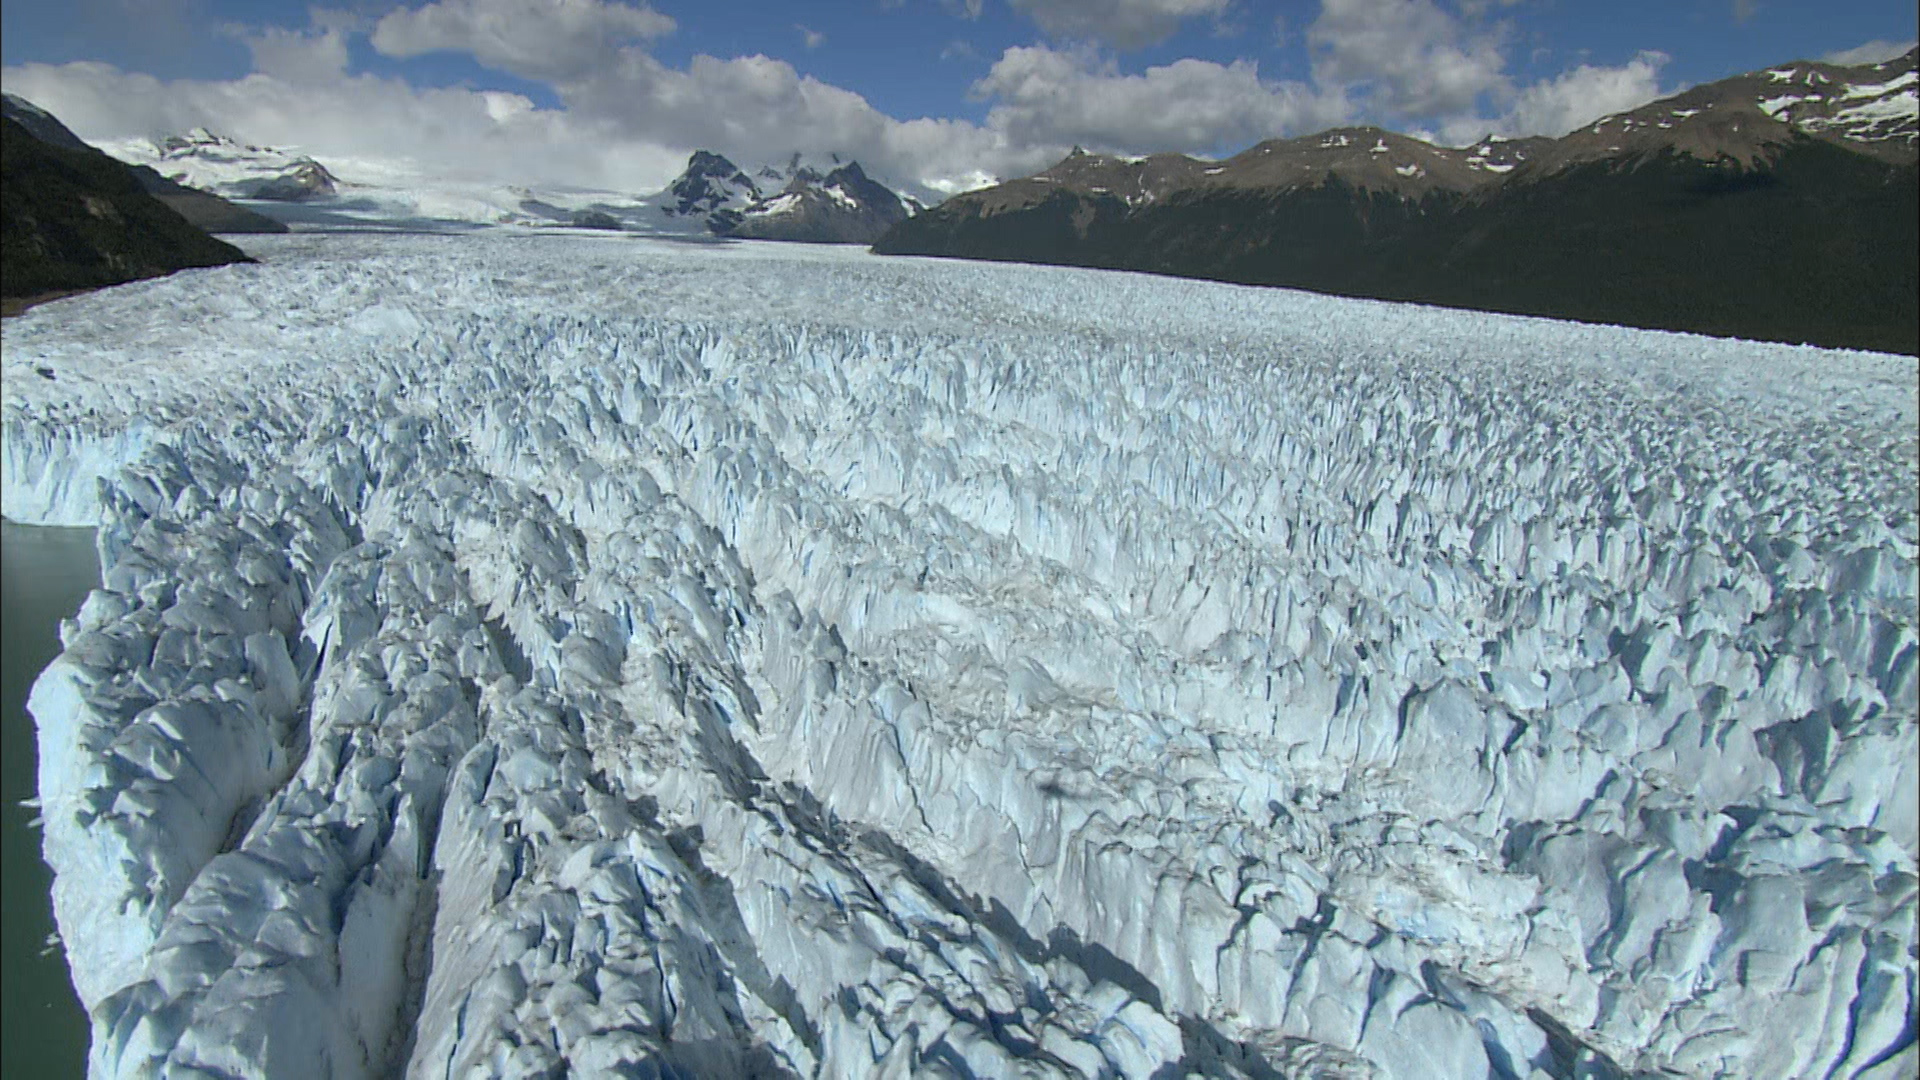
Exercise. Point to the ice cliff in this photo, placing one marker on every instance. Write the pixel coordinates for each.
(527, 655)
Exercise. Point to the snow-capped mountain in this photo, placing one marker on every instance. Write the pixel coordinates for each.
(1367, 159)
(711, 189)
(800, 199)
(1776, 204)
(73, 218)
(1748, 120)
(1877, 104)
(343, 193)
(765, 660)
(203, 209)
(211, 162)
(844, 206)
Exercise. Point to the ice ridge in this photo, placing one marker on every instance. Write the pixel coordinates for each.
(787, 663)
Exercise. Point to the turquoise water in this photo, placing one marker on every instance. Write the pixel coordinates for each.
(43, 1032)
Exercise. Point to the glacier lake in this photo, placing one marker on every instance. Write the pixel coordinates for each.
(47, 573)
(522, 654)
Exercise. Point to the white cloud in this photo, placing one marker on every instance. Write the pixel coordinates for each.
(1411, 57)
(628, 120)
(1123, 24)
(626, 127)
(1556, 106)
(457, 133)
(1872, 52)
(1475, 9)
(535, 39)
(755, 108)
(812, 39)
(295, 56)
(1585, 94)
(1044, 96)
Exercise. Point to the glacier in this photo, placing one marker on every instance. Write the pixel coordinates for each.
(526, 655)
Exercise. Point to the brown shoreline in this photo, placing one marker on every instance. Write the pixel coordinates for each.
(14, 305)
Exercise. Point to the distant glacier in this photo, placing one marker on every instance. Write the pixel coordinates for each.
(527, 655)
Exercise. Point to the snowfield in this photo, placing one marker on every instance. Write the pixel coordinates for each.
(524, 654)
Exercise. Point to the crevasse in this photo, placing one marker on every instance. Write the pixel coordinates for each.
(532, 653)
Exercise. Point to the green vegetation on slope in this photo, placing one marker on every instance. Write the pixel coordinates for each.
(77, 219)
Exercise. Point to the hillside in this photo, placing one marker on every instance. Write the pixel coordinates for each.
(1778, 205)
(202, 209)
(77, 219)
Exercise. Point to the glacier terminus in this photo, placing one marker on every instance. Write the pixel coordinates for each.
(530, 655)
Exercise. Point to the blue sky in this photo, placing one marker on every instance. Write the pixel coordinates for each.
(934, 94)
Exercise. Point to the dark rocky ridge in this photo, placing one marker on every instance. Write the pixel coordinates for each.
(709, 186)
(842, 205)
(845, 206)
(1703, 212)
(203, 209)
(74, 219)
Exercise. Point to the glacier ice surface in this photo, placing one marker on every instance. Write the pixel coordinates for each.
(525, 654)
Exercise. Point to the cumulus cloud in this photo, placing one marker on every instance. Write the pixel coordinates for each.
(628, 128)
(450, 132)
(1872, 52)
(1411, 57)
(1585, 94)
(1413, 64)
(1123, 24)
(754, 108)
(809, 37)
(1475, 9)
(295, 56)
(534, 39)
(1556, 106)
(627, 120)
(1044, 96)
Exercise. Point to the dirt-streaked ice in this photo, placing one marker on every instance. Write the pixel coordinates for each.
(524, 653)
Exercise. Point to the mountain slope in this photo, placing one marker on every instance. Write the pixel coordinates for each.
(77, 219)
(1812, 243)
(712, 188)
(801, 201)
(1776, 205)
(845, 206)
(211, 162)
(201, 209)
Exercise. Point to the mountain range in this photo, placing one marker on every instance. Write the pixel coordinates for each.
(72, 218)
(832, 201)
(201, 208)
(1778, 205)
(801, 201)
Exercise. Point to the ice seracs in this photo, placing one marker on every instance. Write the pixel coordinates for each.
(747, 659)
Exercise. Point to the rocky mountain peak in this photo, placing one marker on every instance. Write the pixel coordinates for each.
(1744, 121)
(710, 185)
(832, 201)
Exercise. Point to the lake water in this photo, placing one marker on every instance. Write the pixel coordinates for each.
(43, 1032)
